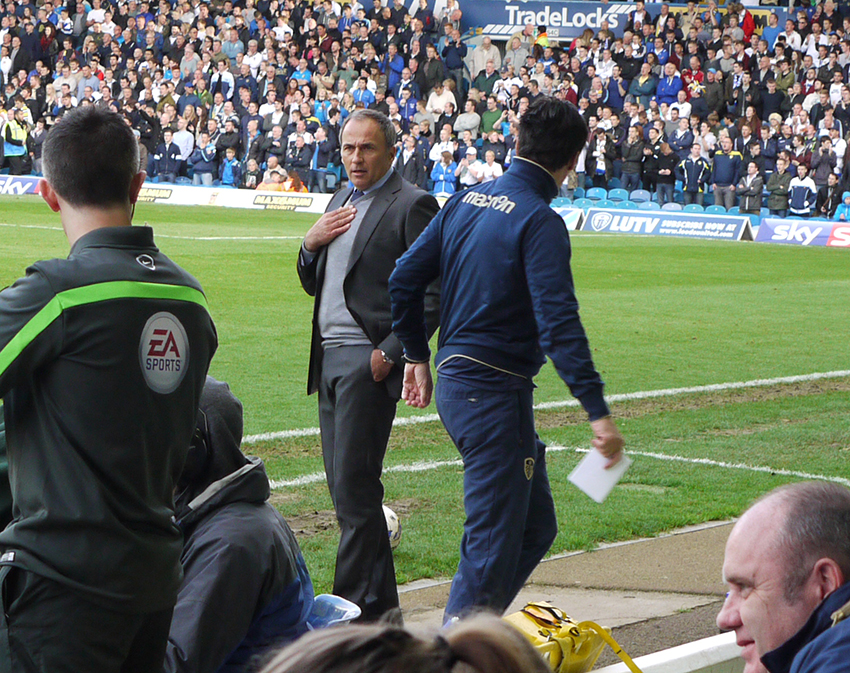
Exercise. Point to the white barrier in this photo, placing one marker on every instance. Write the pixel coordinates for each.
(185, 195)
(718, 654)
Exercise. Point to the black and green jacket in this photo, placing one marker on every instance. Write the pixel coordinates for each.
(103, 357)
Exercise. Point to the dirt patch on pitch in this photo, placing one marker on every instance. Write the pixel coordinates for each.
(314, 523)
(685, 402)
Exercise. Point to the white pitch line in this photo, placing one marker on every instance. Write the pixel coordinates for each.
(623, 397)
(183, 238)
(30, 226)
(232, 238)
(427, 466)
(734, 466)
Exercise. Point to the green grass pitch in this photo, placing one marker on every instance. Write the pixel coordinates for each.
(660, 313)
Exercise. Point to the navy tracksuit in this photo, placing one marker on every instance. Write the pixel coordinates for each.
(507, 298)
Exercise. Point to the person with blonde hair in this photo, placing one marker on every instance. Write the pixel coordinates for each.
(483, 644)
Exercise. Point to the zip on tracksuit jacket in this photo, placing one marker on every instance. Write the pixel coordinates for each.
(802, 196)
(507, 295)
(203, 159)
(693, 174)
(726, 168)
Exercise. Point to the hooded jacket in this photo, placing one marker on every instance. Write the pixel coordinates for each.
(246, 588)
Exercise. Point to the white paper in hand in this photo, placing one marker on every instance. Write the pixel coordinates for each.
(591, 476)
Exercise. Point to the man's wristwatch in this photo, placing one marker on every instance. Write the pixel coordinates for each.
(386, 358)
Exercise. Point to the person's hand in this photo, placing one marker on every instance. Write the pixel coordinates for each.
(607, 440)
(732, 188)
(418, 385)
(328, 227)
(380, 369)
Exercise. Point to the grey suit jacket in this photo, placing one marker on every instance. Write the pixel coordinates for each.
(399, 212)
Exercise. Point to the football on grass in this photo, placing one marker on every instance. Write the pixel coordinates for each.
(393, 527)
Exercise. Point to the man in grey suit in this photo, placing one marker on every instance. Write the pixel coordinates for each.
(355, 360)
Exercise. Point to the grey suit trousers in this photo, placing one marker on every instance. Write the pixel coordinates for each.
(356, 416)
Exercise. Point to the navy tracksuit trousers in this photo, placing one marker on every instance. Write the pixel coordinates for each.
(510, 515)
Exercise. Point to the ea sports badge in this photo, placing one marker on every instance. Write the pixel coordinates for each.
(164, 353)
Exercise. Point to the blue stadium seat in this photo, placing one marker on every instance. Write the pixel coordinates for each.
(614, 183)
(606, 203)
(618, 195)
(640, 195)
(693, 208)
(583, 203)
(648, 205)
(672, 206)
(560, 202)
(182, 181)
(578, 193)
(597, 194)
(336, 171)
(627, 205)
(715, 210)
(755, 220)
(734, 210)
(765, 212)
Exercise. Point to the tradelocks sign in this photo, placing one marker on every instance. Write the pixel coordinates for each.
(669, 223)
(500, 20)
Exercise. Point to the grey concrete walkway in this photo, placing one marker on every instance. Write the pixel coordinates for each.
(655, 593)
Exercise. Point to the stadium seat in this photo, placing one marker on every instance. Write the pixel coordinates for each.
(640, 195)
(627, 205)
(182, 181)
(618, 195)
(583, 203)
(648, 205)
(672, 206)
(734, 210)
(765, 212)
(336, 170)
(578, 193)
(715, 210)
(614, 183)
(693, 208)
(597, 194)
(331, 181)
(560, 202)
(755, 220)
(605, 203)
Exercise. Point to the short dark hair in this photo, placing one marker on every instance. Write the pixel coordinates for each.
(90, 157)
(379, 118)
(551, 133)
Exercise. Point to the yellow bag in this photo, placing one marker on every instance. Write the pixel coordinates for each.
(568, 646)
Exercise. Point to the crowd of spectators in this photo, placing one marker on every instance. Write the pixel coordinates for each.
(705, 101)
(253, 93)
